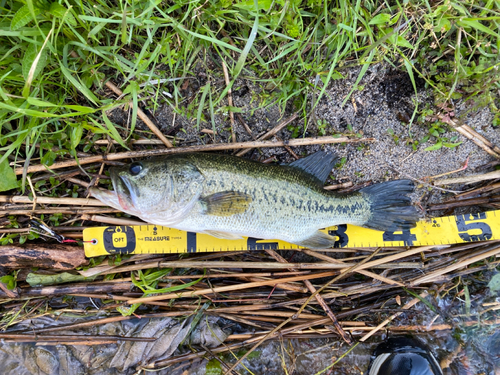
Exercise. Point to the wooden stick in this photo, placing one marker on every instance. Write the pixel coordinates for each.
(105, 142)
(343, 267)
(410, 304)
(272, 132)
(431, 276)
(50, 200)
(318, 297)
(468, 179)
(362, 272)
(254, 284)
(112, 220)
(142, 116)
(62, 210)
(471, 134)
(196, 148)
(229, 101)
(34, 338)
(284, 286)
(339, 186)
(54, 256)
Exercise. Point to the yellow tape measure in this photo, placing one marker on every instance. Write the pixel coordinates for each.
(152, 239)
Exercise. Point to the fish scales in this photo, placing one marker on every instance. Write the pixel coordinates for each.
(229, 197)
(285, 200)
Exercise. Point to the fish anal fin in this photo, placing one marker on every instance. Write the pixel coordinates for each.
(223, 235)
(318, 240)
(226, 203)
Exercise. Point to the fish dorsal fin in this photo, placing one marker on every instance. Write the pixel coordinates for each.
(319, 165)
(226, 203)
(318, 240)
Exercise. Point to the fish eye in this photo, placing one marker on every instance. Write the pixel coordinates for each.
(135, 168)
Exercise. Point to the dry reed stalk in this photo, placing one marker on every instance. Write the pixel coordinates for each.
(318, 297)
(112, 220)
(50, 200)
(475, 137)
(245, 125)
(242, 320)
(142, 116)
(61, 210)
(381, 263)
(236, 275)
(290, 151)
(105, 142)
(254, 284)
(408, 305)
(229, 100)
(271, 132)
(478, 191)
(282, 314)
(468, 179)
(390, 258)
(196, 148)
(244, 264)
(464, 203)
(76, 181)
(339, 186)
(284, 286)
(362, 272)
(460, 264)
(34, 337)
(96, 322)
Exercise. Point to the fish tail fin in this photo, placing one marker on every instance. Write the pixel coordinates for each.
(391, 208)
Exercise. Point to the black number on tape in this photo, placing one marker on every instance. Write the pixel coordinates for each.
(341, 234)
(405, 236)
(466, 223)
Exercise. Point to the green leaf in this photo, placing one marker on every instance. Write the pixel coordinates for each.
(250, 6)
(59, 11)
(443, 25)
(113, 133)
(22, 17)
(435, 147)
(399, 40)
(469, 22)
(213, 367)
(494, 283)
(248, 46)
(380, 19)
(9, 281)
(81, 87)
(9, 179)
(451, 145)
(49, 158)
(39, 280)
(39, 103)
(202, 104)
(75, 135)
(29, 58)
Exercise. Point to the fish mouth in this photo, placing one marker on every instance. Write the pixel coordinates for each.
(124, 190)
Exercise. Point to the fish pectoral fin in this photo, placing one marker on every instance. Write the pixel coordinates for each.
(223, 235)
(226, 203)
(318, 240)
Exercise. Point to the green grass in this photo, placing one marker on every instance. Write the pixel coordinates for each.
(55, 56)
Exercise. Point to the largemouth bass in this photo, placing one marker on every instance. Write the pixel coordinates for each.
(230, 197)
